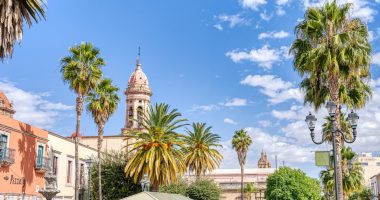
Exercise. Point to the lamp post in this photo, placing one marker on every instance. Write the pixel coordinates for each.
(89, 163)
(352, 119)
(145, 183)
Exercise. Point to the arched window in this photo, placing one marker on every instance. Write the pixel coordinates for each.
(140, 116)
(130, 117)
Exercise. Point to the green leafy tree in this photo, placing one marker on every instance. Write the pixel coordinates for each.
(102, 103)
(352, 175)
(298, 185)
(157, 147)
(180, 187)
(249, 189)
(332, 53)
(13, 15)
(203, 189)
(365, 194)
(116, 185)
(200, 154)
(241, 142)
(81, 71)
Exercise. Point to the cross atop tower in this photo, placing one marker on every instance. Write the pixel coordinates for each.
(138, 56)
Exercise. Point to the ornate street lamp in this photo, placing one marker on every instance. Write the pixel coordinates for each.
(145, 183)
(352, 119)
(89, 163)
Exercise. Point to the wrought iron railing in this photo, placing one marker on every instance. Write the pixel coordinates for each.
(7, 156)
(42, 164)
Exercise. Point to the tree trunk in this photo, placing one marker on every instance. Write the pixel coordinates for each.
(242, 182)
(334, 96)
(100, 140)
(79, 108)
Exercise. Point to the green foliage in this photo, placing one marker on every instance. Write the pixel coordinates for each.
(158, 151)
(293, 184)
(175, 188)
(201, 154)
(249, 189)
(352, 175)
(115, 184)
(203, 189)
(365, 194)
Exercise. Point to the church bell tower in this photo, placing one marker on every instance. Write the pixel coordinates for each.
(138, 96)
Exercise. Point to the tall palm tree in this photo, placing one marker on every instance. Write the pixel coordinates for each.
(352, 175)
(81, 70)
(332, 53)
(157, 147)
(102, 103)
(241, 142)
(201, 155)
(13, 13)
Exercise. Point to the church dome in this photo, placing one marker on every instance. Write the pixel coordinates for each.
(138, 82)
(138, 77)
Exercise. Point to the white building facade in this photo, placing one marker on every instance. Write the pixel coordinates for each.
(371, 166)
(63, 166)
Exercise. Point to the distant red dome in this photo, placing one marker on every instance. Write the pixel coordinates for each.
(6, 106)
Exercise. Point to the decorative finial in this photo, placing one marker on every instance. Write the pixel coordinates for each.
(138, 57)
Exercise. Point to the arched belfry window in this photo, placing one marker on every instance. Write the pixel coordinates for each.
(130, 117)
(140, 113)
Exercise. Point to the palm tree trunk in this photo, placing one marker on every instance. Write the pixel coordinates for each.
(334, 96)
(100, 140)
(79, 108)
(242, 182)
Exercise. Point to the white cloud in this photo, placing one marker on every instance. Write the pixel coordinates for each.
(229, 121)
(273, 34)
(274, 87)
(361, 8)
(236, 102)
(264, 57)
(232, 20)
(33, 108)
(264, 123)
(272, 144)
(376, 59)
(282, 2)
(204, 108)
(265, 16)
(218, 26)
(252, 4)
(280, 11)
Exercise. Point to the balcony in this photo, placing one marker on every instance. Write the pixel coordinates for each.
(7, 157)
(42, 164)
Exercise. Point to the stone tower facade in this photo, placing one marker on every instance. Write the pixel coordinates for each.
(138, 96)
(263, 161)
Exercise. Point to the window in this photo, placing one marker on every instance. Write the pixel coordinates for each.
(3, 148)
(378, 164)
(139, 116)
(364, 164)
(55, 165)
(40, 156)
(69, 169)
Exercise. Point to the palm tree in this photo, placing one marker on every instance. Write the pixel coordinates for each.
(102, 103)
(201, 155)
(13, 14)
(332, 53)
(241, 142)
(352, 175)
(249, 189)
(81, 70)
(157, 147)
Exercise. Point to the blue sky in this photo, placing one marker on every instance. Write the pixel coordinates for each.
(220, 62)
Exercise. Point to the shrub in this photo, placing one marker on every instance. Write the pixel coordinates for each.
(203, 189)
